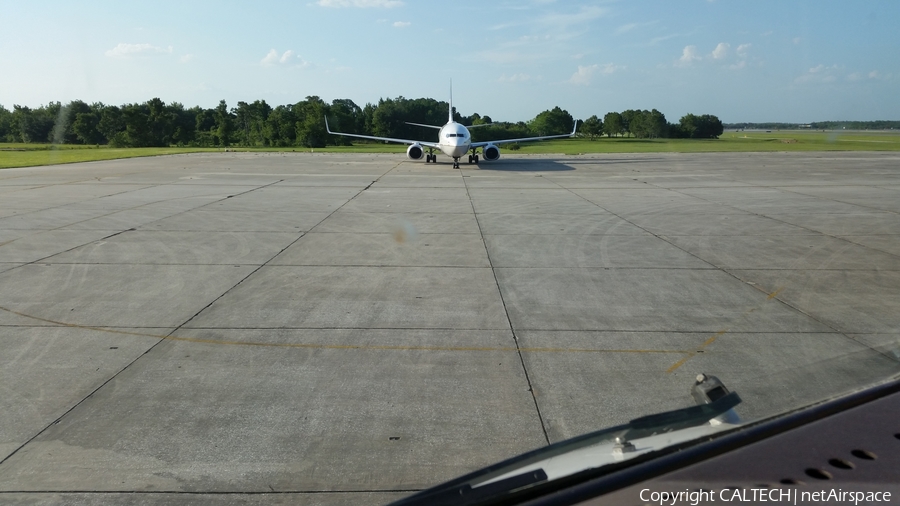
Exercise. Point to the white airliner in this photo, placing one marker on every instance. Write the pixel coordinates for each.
(454, 140)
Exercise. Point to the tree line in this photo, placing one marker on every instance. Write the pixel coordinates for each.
(257, 124)
(819, 125)
(652, 124)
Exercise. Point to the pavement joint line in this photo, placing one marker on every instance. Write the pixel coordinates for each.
(841, 201)
(512, 329)
(42, 260)
(820, 321)
(170, 337)
(838, 237)
(104, 328)
(115, 375)
(282, 250)
(709, 341)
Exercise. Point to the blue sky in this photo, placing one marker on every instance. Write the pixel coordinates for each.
(758, 60)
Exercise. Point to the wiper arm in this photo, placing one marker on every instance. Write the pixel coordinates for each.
(681, 418)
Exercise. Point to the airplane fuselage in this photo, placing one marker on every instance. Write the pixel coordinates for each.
(454, 140)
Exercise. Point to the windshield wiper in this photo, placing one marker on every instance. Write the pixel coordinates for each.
(465, 495)
(543, 467)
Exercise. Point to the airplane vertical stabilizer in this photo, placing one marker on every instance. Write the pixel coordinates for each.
(451, 102)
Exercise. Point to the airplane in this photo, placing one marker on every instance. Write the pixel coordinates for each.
(454, 141)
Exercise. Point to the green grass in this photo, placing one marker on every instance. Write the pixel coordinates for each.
(733, 142)
(27, 155)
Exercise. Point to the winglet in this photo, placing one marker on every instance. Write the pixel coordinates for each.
(574, 128)
(326, 125)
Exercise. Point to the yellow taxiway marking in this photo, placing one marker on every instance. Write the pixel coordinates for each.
(333, 346)
(691, 354)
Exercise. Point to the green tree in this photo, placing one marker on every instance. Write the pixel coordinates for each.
(310, 125)
(224, 122)
(655, 122)
(345, 116)
(111, 122)
(592, 127)
(34, 125)
(280, 128)
(706, 126)
(552, 122)
(6, 120)
(613, 124)
(629, 119)
(86, 129)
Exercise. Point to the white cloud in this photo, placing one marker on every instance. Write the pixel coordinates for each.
(819, 74)
(271, 58)
(631, 26)
(797, 40)
(625, 28)
(560, 22)
(739, 65)
(364, 4)
(288, 57)
(721, 50)
(401, 24)
(516, 78)
(124, 50)
(879, 75)
(583, 75)
(186, 58)
(610, 68)
(743, 49)
(688, 56)
(856, 76)
(585, 15)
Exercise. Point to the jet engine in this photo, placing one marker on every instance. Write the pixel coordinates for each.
(491, 153)
(415, 151)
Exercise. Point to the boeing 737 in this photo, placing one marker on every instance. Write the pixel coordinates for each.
(454, 141)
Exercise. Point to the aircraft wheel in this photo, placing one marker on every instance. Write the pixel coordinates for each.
(470, 159)
(476, 158)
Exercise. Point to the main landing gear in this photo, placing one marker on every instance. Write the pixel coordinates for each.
(473, 158)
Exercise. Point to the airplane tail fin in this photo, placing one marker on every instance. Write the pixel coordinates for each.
(451, 101)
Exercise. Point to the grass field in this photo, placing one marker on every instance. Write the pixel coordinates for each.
(27, 155)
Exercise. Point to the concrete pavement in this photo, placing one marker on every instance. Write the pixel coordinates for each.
(296, 328)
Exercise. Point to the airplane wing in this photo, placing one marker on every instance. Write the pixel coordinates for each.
(422, 125)
(525, 139)
(386, 139)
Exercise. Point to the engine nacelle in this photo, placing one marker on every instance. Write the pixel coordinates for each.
(415, 152)
(490, 153)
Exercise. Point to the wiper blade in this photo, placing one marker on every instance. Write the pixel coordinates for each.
(466, 494)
